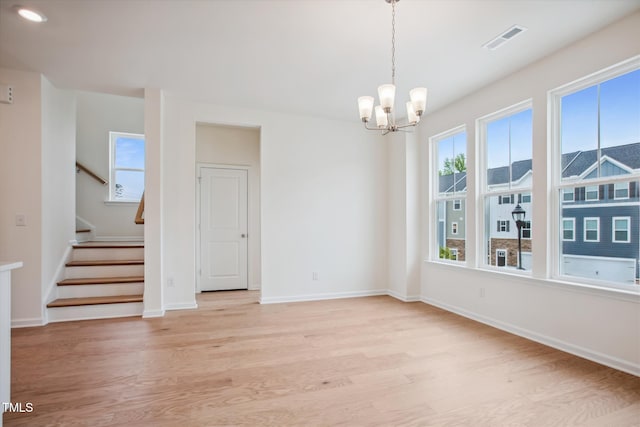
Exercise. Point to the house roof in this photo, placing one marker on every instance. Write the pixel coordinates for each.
(574, 164)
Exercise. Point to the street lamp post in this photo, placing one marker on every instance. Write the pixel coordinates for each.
(518, 215)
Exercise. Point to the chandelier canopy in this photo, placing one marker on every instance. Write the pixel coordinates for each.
(385, 120)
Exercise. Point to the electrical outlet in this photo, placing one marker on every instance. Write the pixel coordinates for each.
(314, 275)
(170, 282)
(6, 94)
(21, 220)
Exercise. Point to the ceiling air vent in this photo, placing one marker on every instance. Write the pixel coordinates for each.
(498, 41)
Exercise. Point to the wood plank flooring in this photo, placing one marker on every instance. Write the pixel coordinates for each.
(355, 362)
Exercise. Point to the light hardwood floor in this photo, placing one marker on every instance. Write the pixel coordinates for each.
(354, 362)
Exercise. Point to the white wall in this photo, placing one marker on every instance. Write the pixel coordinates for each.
(97, 114)
(58, 180)
(323, 203)
(21, 193)
(600, 325)
(226, 145)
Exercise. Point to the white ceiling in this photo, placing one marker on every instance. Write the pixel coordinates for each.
(301, 56)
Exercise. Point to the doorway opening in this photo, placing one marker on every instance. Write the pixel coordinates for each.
(228, 253)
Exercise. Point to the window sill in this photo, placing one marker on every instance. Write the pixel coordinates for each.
(560, 283)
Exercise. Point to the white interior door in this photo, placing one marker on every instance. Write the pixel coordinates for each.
(223, 229)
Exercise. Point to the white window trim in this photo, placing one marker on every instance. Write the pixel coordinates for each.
(436, 197)
(112, 170)
(613, 229)
(584, 230)
(454, 225)
(615, 197)
(573, 229)
(572, 192)
(590, 189)
(459, 203)
(554, 206)
(502, 228)
(454, 253)
(525, 228)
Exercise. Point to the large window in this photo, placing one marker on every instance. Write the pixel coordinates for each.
(506, 141)
(450, 181)
(596, 132)
(126, 167)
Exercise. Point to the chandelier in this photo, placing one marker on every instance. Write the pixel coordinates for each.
(385, 120)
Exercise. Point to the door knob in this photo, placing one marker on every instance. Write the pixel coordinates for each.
(243, 236)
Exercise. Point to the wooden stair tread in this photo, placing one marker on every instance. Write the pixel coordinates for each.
(71, 302)
(105, 262)
(101, 280)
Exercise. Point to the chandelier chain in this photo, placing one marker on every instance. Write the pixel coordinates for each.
(393, 42)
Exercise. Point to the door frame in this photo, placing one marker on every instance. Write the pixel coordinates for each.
(250, 207)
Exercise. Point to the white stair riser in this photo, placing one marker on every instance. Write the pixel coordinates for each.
(91, 254)
(83, 237)
(104, 271)
(98, 311)
(107, 290)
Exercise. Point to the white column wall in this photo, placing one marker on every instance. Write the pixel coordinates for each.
(21, 192)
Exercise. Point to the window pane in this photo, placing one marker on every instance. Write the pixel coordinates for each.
(451, 230)
(129, 185)
(452, 164)
(620, 111)
(509, 151)
(579, 130)
(605, 242)
(501, 234)
(129, 153)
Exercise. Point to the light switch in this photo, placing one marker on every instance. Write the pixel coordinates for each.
(21, 220)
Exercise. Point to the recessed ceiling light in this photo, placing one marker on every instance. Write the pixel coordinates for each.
(30, 14)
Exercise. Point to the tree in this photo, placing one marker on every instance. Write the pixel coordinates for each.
(457, 164)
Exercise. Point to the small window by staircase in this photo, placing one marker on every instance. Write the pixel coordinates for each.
(126, 167)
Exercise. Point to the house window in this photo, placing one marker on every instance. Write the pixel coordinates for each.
(450, 177)
(621, 190)
(591, 192)
(126, 169)
(620, 232)
(526, 230)
(453, 254)
(568, 195)
(506, 173)
(592, 229)
(503, 226)
(595, 138)
(568, 229)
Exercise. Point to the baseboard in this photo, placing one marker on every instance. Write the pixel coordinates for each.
(594, 356)
(118, 239)
(403, 298)
(28, 323)
(181, 306)
(318, 297)
(148, 314)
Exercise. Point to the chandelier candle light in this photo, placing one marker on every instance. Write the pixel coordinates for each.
(385, 120)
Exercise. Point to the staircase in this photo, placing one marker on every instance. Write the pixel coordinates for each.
(102, 280)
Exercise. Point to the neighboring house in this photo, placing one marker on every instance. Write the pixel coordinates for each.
(601, 224)
(600, 227)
